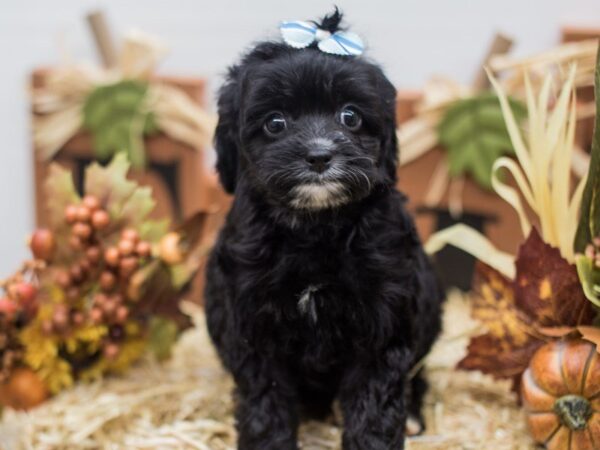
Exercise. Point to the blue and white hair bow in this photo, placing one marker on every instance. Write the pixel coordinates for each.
(300, 34)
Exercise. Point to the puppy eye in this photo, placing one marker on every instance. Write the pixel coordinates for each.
(350, 118)
(275, 124)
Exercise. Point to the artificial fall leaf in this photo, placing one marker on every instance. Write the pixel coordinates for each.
(547, 287)
(191, 249)
(589, 277)
(474, 134)
(589, 221)
(127, 203)
(161, 285)
(162, 336)
(59, 191)
(152, 290)
(505, 349)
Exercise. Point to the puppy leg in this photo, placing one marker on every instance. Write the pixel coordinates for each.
(373, 403)
(415, 423)
(266, 413)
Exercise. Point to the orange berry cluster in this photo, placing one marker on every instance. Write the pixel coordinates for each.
(18, 306)
(111, 306)
(109, 268)
(86, 220)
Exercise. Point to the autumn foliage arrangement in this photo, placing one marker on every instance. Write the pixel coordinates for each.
(541, 308)
(101, 289)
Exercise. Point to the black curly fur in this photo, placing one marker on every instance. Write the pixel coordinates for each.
(310, 304)
(331, 22)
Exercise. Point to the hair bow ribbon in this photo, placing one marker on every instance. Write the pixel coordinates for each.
(300, 34)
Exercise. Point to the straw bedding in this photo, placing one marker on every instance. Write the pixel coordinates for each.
(186, 404)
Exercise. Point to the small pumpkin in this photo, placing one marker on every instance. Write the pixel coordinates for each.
(23, 390)
(561, 395)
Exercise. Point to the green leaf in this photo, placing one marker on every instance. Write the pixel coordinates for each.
(127, 203)
(116, 116)
(163, 335)
(153, 230)
(180, 275)
(474, 134)
(190, 244)
(589, 277)
(589, 221)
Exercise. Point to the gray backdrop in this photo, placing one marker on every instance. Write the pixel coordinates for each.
(413, 39)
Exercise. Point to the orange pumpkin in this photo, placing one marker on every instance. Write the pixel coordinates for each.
(23, 390)
(561, 395)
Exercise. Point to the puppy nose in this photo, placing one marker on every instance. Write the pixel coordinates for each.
(319, 159)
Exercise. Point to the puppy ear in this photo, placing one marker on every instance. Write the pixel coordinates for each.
(226, 133)
(389, 145)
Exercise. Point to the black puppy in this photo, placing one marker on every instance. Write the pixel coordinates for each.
(318, 287)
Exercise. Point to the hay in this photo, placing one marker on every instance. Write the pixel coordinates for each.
(186, 404)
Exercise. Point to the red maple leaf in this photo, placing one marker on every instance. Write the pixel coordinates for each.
(520, 315)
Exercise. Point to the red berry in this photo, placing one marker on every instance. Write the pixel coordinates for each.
(128, 266)
(111, 256)
(73, 294)
(93, 254)
(27, 295)
(91, 202)
(7, 307)
(75, 242)
(129, 234)
(126, 247)
(71, 214)
(25, 292)
(111, 351)
(100, 298)
(100, 219)
(143, 249)
(76, 273)
(63, 279)
(42, 244)
(122, 314)
(60, 318)
(96, 315)
(85, 265)
(47, 327)
(109, 307)
(107, 280)
(82, 230)
(83, 213)
(78, 318)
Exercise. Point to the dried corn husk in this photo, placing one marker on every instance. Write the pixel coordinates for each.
(543, 172)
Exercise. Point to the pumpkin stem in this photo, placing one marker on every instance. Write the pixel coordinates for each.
(573, 411)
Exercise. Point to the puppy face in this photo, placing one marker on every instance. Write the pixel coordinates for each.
(307, 130)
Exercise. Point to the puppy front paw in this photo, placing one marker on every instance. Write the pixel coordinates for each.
(414, 425)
